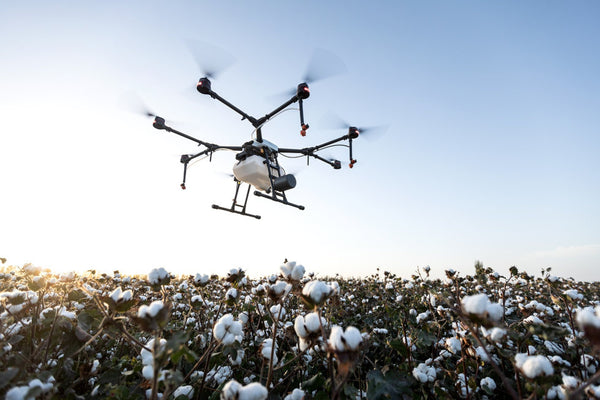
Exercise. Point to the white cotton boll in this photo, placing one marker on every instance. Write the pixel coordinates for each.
(573, 294)
(155, 307)
(348, 340)
(556, 392)
(116, 294)
(299, 327)
(298, 272)
(589, 363)
(18, 393)
(267, 349)
(353, 338)
(317, 291)
(496, 334)
(278, 311)
(219, 331)
(481, 306)
(157, 275)
(335, 338)
(570, 382)
(495, 311)
(231, 294)
(311, 322)
(488, 384)
(453, 345)
(297, 394)
(287, 268)
(482, 354)
(253, 391)
(150, 311)
(587, 317)
(424, 373)
(423, 316)
(187, 391)
(335, 287)
(95, 366)
(533, 366)
(532, 319)
(236, 328)
(127, 295)
(148, 372)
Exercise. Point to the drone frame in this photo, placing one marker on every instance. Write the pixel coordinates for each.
(273, 193)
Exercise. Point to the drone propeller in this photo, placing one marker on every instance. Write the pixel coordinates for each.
(323, 64)
(336, 122)
(211, 60)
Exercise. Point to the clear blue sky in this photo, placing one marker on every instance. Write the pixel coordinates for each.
(491, 152)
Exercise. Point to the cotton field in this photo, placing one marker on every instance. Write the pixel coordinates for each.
(294, 335)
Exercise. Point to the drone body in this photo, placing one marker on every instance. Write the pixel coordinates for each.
(256, 160)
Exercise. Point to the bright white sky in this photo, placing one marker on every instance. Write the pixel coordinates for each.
(491, 152)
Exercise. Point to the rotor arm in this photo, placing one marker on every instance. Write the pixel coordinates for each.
(310, 151)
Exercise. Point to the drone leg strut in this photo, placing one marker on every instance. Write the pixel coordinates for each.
(234, 205)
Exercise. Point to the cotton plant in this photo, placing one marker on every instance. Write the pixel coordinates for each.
(316, 292)
(153, 317)
(308, 329)
(159, 277)
(292, 272)
(227, 330)
(278, 290)
(119, 300)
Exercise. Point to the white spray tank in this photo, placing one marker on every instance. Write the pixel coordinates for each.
(254, 170)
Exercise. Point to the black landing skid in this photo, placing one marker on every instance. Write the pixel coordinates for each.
(235, 206)
(278, 197)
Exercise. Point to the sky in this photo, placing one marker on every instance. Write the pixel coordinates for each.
(490, 152)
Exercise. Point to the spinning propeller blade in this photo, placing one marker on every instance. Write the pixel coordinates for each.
(323, 64)
(335, 122)
(211, 60)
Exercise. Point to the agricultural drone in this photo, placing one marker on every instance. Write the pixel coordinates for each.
(257, 161)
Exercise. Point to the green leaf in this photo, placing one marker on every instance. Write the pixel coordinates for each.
(398, 345)
(389, 386)
(76, 295)
(314, 383)
(7, 376)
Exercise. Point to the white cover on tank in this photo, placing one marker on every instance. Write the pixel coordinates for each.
(253, 170)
